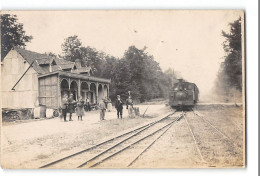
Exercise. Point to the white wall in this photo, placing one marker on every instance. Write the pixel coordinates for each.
(26, 91)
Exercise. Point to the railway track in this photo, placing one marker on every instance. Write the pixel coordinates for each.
(195, 141)
(238, 147)
(153, 141)
(104, 151)
(199, 144)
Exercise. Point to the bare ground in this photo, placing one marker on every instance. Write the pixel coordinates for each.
(32, 144)
(177, 149)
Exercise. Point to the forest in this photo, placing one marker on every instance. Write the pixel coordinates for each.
(136, 71)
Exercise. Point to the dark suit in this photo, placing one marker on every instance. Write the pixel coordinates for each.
(71, 106)
(119, 108)
(64, 104)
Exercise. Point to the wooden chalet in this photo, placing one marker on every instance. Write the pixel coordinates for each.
(30, 79)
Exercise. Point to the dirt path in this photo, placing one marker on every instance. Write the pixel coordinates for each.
(216, 148)
(177, 149)
(32, 144)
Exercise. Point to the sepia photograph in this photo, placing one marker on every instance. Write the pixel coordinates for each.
(127, 89)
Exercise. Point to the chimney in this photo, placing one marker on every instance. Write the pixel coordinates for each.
(50, 68)
(78, 63)
(180, 80)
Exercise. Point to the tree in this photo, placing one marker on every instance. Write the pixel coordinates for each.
(229, 78)
(71, 48)
(12, 34)
(109, 71)
(91, 57)
(233, 38)
(139, 73)
(233, 60)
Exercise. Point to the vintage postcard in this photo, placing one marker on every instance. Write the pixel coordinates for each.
(123, 89)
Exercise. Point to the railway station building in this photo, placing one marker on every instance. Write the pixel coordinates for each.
(30, 80)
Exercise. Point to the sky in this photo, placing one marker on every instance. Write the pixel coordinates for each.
(189, 42)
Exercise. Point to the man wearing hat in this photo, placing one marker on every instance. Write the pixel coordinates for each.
(71, 106)
(102, 107)
(64, 104)
(119, 106)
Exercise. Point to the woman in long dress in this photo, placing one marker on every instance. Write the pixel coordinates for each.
(130, 106)
(108, 104)
(80, 108)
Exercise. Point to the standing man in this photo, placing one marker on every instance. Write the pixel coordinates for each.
(71, 105)
(119, 106)
(64, 104)
(102, 108)
(88, 104)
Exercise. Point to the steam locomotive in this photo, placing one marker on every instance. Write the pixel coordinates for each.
(183, 95)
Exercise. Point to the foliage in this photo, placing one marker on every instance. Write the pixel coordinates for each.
(233, 39)
(230, 73)
(93, 58)
(12, 34)
(70, 48)
(140, 74)
(136, 71)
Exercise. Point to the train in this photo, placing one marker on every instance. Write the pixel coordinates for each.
(183, 95)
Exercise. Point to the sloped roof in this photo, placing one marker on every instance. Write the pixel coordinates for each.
(83, 70)
(76, 75)
(30, 57)
(62, 61)
(64, 64)
(44, 59)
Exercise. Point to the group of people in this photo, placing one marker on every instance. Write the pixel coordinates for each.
(119, 107)
(68, 106)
